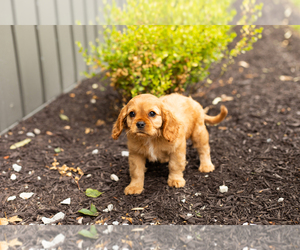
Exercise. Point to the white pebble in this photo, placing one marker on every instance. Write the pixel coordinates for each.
(88, 176)
(95, 86)
(11, 198)
(57, 217)
(109, 208)
(197, 194)
(189, 215)
(223, 189)
(25, 195)
(183, 200)
(202, 208)
(30, 172)
(114, 177)
(125, 153)
(115, 223)
(206, 176)
(189, 237)
(93, 101)
(30, 134)
(95, 151)
(109, 229)
(17, 167)
(80, 220)
(280, 199)
(59, 239)
(37, 131)
(115, 247)
(39, 178)
(13, 177)
(278, 188)
(66, 201)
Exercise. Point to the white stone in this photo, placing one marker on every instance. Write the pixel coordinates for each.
(115, 247)
(11, 198)
(37, 131)
(95, 86)
(66, 201)
(223, 189)
(59, 239)
(189, 215)
(95, 151)
(13, 177)
(125, 153)
(115, 223)
(216, 100)
(109, 229)
(114, 177)
(93, 101)
(26, 196)
(39, 178)
(30, 134)
(280, 199)
(109, 208)
(197, 194)
(183, 200)
(17, 167)
(55, 218)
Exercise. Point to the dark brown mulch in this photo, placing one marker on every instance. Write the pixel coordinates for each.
(255, 151)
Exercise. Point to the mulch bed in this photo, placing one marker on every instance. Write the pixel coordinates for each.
(256, 151)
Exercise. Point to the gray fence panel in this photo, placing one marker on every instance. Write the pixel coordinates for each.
(79, 35)
(79, 10)
(46, 12)
(100, 12)
(91, 12)
(6, 13)
(66, 55)
(29, 63)
(64, 12)
(10, 103)
(49, 59)
(25, 12)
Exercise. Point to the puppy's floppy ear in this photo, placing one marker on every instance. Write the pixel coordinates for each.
(120, 124)
(170, 126)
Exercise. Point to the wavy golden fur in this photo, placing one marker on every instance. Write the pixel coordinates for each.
(157, 130)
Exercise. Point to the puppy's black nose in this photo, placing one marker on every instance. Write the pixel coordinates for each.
(140, 124)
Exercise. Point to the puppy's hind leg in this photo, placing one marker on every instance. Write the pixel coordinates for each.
(200, 138)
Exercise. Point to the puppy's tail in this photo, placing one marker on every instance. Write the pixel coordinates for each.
(218, 118)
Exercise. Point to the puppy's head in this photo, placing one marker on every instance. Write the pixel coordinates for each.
(141, 117)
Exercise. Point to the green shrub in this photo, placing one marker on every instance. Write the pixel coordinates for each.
(161, 59)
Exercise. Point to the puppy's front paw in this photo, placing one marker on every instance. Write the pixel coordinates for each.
(205, 168)
(178, 183)
(133, 189)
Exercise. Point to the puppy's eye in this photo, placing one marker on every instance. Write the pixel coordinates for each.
(132, 114)
(152, 114)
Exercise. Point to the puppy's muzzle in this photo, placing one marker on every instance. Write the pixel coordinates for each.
(140, 125)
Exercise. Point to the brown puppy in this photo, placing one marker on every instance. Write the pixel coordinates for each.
(157, 130)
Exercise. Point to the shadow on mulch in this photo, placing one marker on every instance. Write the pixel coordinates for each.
(255, 151)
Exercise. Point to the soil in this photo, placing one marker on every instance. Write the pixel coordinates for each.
(256, 151)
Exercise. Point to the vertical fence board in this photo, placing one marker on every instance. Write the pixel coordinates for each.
(46, 9)
(10, 103)
(27, 49)
(78, 31)
(100, 12)
(64, 12)
(49, 58)
(25, 12)
(79, 12)
(90, 10)
(66, 55)
(6, 13)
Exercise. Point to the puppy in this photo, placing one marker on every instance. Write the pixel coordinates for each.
(157, 130)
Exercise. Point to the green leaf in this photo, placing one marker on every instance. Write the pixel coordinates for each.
(57, 150)
(20, 144)
(64, 117)
(92, 234)
(92, 193)
(91, 212)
